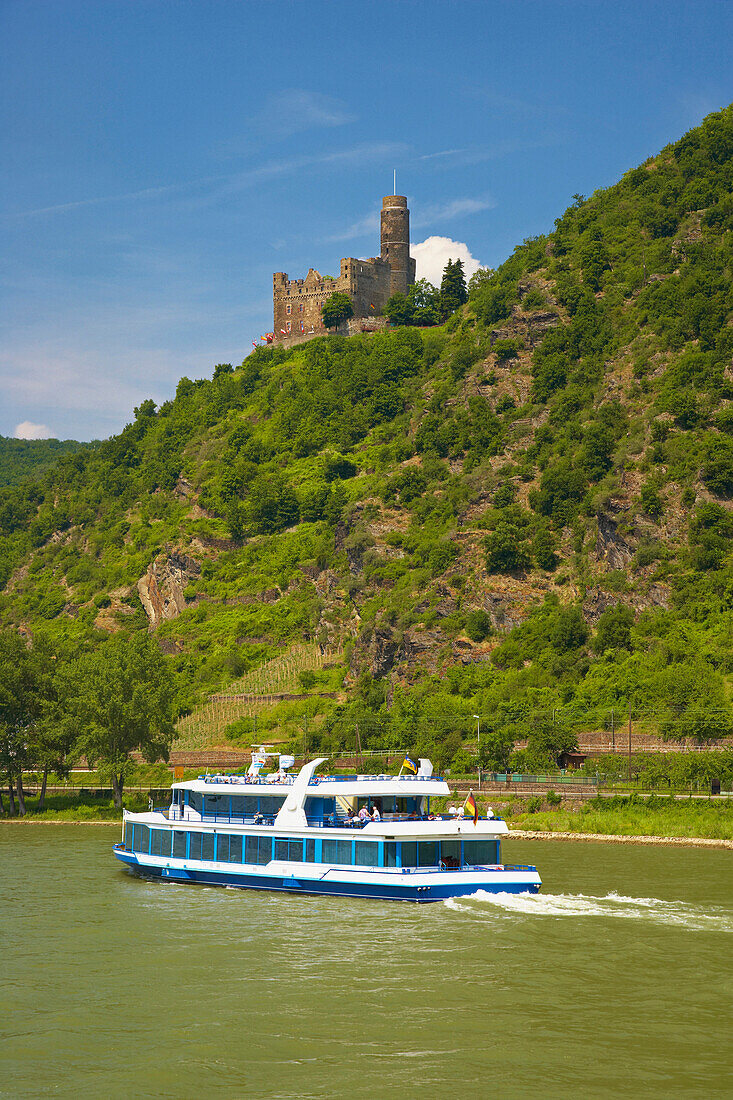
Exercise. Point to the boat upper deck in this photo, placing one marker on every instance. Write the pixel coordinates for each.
(327, 785)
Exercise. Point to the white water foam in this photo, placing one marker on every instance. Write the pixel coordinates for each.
(655, 910)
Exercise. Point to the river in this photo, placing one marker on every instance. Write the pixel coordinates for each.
(615, 981)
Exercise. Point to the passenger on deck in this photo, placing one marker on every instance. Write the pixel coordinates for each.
(364, 815)
(259, 819)
(376, 816)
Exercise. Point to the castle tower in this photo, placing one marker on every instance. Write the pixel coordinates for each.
(395, 238)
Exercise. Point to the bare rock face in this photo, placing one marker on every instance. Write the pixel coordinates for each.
(161, 589)
(610, 546)
(377, 650)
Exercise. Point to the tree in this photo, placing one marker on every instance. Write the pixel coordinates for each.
(478, 625)
(273, 505)
(480, 279)
(570, 630)
(506, 549)
(544, 546)
(336, 309)
(27, 738)
(614, 629)
(120, 698)
(453, 291)
(420, 306)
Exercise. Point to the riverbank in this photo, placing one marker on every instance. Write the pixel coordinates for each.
(514, 834)
(610, 838)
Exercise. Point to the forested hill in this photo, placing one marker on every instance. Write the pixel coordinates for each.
(527, 509)
(23, 458)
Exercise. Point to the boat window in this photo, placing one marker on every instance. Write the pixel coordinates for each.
(216, 805)
(310, 851)
(207, 846)
(270, 804)
(450, 852)
(477, 852)
(409, 853)
(390, 853)
(161, 842)
(137, 838)
(258, 849)
(179, 845)
(337, 851)
(195, 801)
(289, 850)
(244, 805)
(235, 849)
(367, 853)
(427, 853)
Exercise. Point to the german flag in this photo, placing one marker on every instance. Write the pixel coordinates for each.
(409, 765)
(470, 809)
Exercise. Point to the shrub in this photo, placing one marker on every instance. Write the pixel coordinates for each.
(506, 349)
(534, 299)
(553, 798)
(614, 629)
(651, 502)
(478, 625)
(506, 550)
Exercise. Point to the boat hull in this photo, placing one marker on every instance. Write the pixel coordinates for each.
(413, 886)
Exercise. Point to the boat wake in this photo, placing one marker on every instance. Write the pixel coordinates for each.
(654, 910)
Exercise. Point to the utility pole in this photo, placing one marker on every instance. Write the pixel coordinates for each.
(478, 747)
(613, 732)
(358, 746)
(629, 742)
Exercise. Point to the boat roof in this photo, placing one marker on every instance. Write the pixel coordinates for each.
(328, 786)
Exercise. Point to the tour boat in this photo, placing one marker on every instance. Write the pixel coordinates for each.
(370, 836)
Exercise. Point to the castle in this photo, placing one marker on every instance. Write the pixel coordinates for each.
(369, 283)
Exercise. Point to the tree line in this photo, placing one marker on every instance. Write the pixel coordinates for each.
(102, 705)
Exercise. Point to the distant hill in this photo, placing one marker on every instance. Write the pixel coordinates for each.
(525, 514)
(22, 458)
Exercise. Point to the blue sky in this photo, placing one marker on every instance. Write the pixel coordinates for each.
(161, 159)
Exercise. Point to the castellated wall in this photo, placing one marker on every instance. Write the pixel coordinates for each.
(369, 283)
(297, 302)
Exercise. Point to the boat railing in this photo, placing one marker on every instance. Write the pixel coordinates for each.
(174, 814)
(466, 867)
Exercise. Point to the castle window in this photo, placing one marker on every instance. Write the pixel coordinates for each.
(288, 309)
(289, 326)
(300, 309)
(302, 327)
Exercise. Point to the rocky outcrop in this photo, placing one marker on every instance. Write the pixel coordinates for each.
(161, 589)
(377, 650)
(611, 547)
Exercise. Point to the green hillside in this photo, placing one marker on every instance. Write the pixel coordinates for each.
(24, 458)
(524, 513)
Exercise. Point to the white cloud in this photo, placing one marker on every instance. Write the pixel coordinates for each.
(433, 254)
(295, 109)
(28, 430)
(456, 208)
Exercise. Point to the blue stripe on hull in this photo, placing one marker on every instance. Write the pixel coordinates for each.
(291, 885)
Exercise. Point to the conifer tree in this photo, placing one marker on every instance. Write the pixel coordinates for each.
(453, 291)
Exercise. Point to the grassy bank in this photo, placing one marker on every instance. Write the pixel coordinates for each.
(624, 816)
(77, 807)
(655, 816)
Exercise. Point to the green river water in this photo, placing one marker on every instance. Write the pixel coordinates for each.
(615, 981)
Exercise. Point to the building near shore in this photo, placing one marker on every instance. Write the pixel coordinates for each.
(368, 283)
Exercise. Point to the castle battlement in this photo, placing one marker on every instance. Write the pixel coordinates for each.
(369, 283)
